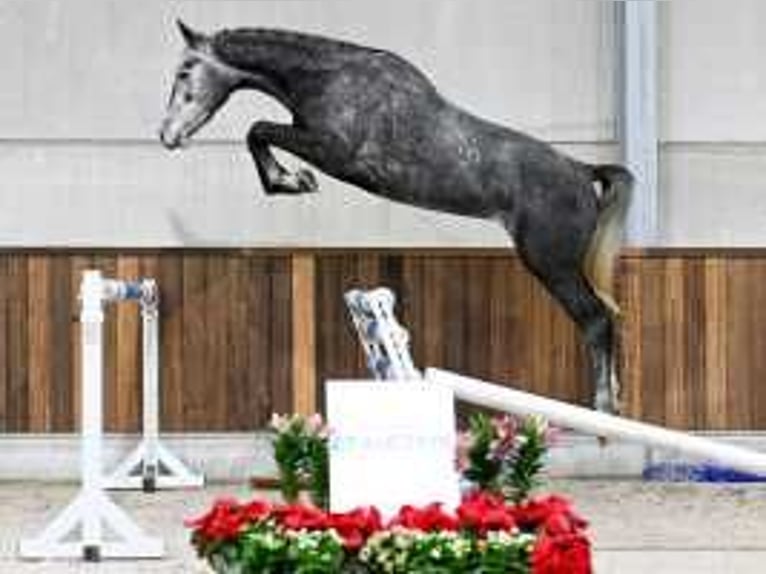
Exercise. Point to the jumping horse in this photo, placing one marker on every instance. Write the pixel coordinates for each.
(370, 118)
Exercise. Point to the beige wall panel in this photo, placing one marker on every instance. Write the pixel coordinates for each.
(713, 73)
(208, 195)
(100, 69)
(715, 195)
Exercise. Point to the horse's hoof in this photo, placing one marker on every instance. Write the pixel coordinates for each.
(306, 181)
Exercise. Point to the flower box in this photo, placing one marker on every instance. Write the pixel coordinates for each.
(497, 528)
(484, 535)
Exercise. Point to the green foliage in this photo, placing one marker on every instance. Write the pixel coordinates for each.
(410, 551)
(504, 455)
(319, 472)
(265, 549)
(523, 475)
(483, 469)
(506, 554)
(301, 453)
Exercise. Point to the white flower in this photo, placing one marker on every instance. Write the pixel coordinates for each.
(279, 422)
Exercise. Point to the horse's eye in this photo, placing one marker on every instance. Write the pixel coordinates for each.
(188, 97)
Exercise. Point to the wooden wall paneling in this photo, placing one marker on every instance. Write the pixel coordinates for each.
(629, 336)
(521, 334)
(454, 325)
(526, 331)
(505, 322)
(675, 372)
(738, 316)
(4, 334)
(216, 319)
(757, 375)
(390, 272)
(754, 392)
(196, 416)
(694, 346)
(236, 391)
(127, 351)
(240, 394)
(745, 341)
(715, 342)
(234, 332)
(420, 312)
(541, 331)
(170, 280)
(304, 384)
(62, 310)
(40, 344)
(652, 340)
(477, 295)
(433, 336)
(262, 390)
(338, 354)
(275, 392)
(17, 338)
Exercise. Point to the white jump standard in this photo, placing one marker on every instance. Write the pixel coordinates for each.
(150, 465)
(92, 526)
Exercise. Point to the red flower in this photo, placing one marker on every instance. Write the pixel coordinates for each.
(428, 519)
(562, 554)
(222, 522)
(356, 526)
(256, 510)
(483, 512)
(299, 517)
(554, 513)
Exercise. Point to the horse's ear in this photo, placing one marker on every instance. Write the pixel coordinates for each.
(192, 38)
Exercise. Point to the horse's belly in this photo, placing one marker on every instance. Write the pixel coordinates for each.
(423, 184)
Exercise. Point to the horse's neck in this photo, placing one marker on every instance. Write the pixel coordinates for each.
(280, 55)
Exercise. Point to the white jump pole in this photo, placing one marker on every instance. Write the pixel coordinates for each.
(599, 424)
(150, 465)
(92, 527)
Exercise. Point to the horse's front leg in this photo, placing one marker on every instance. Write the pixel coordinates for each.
(276, 178)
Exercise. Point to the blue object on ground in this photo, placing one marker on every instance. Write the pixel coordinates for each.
(700, 472)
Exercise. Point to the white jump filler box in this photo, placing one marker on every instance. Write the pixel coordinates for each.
(391, 444)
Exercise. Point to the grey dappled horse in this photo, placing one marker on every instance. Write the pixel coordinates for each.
(370, 118)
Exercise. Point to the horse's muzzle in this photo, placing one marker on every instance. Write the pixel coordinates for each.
(168, 140)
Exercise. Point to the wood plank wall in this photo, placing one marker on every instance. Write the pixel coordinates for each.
(225, 340)
(249, 332)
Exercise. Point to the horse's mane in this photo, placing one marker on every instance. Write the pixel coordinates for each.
(242, 47)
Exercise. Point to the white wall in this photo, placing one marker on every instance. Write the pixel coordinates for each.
(84, 83)
(713, 106)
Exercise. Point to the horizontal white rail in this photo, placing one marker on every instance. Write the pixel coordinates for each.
(599, 424)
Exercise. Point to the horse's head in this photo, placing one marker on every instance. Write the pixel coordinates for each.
(201, 86)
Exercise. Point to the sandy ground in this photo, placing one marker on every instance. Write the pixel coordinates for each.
(636, 526)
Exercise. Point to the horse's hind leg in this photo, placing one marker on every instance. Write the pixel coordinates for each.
(597, 325)
(274, 177)
(560, 271)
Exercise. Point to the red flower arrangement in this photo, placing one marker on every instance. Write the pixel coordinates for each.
(551, 537)
(497, 528)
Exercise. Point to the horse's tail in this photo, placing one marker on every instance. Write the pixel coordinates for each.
(617, 187)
